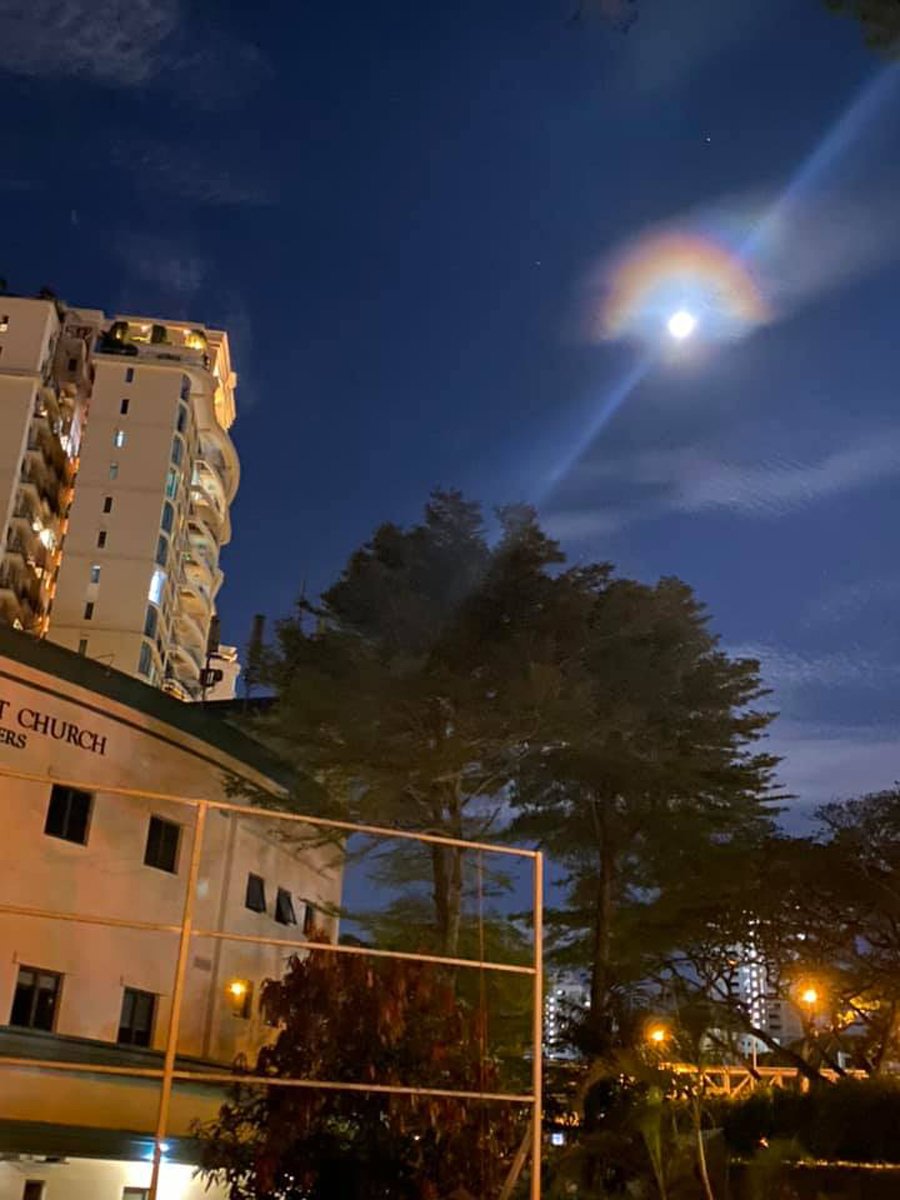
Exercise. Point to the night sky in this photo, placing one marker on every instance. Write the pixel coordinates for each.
(394, 208)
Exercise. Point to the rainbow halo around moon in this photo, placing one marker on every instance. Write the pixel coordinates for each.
(680, 285)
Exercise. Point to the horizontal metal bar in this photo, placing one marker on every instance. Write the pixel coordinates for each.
(230, 1077)
(20, 910)
(328, 1085)
(49, 1064)
(367, 951)
(244, 810)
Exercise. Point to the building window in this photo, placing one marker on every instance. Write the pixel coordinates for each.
(181, 423)
(36, 999)
(185, 387)
(151, 621)
(172, 483)
(73, 363)
(113, 470)
(136, 1021)
(123, 407)
(145, 660)
(168, 517)
(101, 539)
(119, 439)
(255, 898)
(95, 573)
(34, 1189)
(163, 839)
(89, 610)
(129, 374)
(107, 504)
(68, 814)
(284, 908)
(82, 646)
(240, 996)
(177, 450)
(157, 583)
(4, 325)
(162, 550)
(309, 919)
(133, 1193)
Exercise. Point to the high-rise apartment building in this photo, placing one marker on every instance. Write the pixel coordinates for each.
(45, 381)
(121, 561)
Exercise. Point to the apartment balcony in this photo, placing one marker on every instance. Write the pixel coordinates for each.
(20, 597)
(162, 343)
(203, 510)
(46, 486)
(200, 572)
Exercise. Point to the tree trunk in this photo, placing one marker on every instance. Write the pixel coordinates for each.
(604, 912)
(447, 876)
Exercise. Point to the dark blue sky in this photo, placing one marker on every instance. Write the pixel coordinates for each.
(392, 208)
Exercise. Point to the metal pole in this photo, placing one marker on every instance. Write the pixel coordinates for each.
(184, 945)
(537, 1063)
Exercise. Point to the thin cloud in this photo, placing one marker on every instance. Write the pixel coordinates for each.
(789, 670)
(847, 600)
(185, 172)
(119, 42)
(165, 264)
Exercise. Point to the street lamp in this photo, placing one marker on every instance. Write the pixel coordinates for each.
(809, 996)
(658, 1035)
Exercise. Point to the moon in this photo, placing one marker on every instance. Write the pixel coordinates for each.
(681, 324)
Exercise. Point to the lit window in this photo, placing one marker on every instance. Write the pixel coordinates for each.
(101, 539)
(157, 583)
(172, 483)
(163, 838)
(123, 407)
(113, 470)
(36, 999)
(89, 610)
(107, 504)
(119, 439)
(135, 1193)
(284, 908)
(95, 573)
(136, 1020)
(129, 374)
(255, 898)
(4, 325)
(240, 996)
(68, 814)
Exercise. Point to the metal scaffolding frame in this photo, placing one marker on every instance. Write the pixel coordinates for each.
(168, 1075)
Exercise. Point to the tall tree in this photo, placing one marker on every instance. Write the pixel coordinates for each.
(416, 685)
(656, 764)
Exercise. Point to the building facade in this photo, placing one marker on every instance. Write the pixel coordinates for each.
(80, 745)
(117, 473)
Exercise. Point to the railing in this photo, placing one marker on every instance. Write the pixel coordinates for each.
(187, 931)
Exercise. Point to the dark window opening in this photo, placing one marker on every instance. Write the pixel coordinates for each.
(284, 908)
(255, 898)
(163, 838)
(123, 407)
(68, 814)
(101, 539)
(36, 999)
(136, 1021)
(107, 504)
(309, 919)
(129, 374)
(34, 1189)
(73, 364)
(89, 610)
(82, 645)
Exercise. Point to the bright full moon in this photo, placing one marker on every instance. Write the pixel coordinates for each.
(681, 324)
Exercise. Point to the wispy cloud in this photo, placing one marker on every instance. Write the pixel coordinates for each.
(167, 265)
(117, 42)
(846, 600)
(789, 670)
(828, 762)
(188, 172)
(697, 479)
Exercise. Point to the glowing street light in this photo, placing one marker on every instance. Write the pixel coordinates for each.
(681, 324)
(809, 996)
(658, 1035)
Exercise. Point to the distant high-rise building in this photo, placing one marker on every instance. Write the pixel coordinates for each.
(118, 532)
